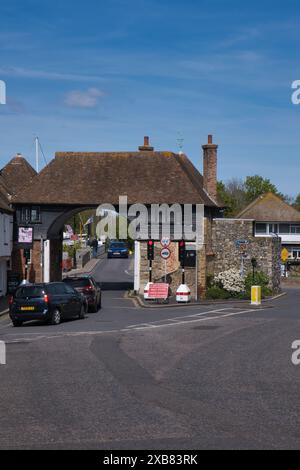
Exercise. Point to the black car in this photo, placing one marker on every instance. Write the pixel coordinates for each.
(50, 302)
(87, 286)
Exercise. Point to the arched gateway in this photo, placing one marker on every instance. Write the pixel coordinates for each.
(75, 181)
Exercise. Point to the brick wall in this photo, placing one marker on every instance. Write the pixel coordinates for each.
(34, 269)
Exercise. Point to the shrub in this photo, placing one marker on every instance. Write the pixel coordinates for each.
(259, 279)
(231, 280)
(217, 292)
(71, 248)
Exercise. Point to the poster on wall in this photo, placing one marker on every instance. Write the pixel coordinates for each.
(25, 237)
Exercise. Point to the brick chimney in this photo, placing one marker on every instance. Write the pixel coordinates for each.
(146, 147)
(210, 168)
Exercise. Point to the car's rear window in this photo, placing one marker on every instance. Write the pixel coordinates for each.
(117, 246)
(30, 292)
(78, 282)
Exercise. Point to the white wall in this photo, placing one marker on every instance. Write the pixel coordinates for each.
(46, 261)
(3, 277)
(6, 236)
(137, 262)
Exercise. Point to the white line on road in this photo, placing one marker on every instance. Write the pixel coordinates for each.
(181, 317)
(138, 327)
(2, 353)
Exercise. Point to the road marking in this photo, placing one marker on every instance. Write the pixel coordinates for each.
(2, 353)
(138, 327)
(182, 317)
(185, 322)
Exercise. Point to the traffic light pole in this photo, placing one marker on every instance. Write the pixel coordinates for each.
(150, 270)
(183, 274)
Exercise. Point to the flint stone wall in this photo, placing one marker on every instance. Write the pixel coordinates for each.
(226, 255)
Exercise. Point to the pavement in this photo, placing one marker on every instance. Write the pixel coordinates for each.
(87, 269)
(3, 305)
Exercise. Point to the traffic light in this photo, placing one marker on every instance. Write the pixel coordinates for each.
(150, 250)
(181, 253)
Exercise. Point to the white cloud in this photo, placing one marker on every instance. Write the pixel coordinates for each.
(83, 99)
(20, 72)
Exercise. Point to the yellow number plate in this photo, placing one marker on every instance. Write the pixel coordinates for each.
(26, 309)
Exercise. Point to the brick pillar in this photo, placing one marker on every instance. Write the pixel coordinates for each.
(34, 268)
(210, 168)
(202, 261)
(17, 261)
(35, 273)
(55, 260)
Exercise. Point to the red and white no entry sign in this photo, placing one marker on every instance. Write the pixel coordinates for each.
(165, 253)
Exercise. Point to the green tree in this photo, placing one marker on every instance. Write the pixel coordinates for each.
(296, 204)
(233, 195)
(257, 185)
(236, 194)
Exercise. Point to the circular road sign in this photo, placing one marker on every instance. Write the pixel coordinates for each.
(165, 242)
(165, 253)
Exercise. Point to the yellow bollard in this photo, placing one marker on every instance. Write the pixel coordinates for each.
(256, 295)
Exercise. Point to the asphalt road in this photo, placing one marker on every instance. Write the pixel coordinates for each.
(117, 270)
(131, 378)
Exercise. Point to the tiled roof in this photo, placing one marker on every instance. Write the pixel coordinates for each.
(4, 196)
(270, 208)
(94, 178)
(17, 174)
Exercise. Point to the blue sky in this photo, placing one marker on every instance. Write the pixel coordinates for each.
(99, 75)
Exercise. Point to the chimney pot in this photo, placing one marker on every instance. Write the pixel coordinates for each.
(210, 139)
(146, 146)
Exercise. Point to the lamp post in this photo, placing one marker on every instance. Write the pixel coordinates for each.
(254, 265)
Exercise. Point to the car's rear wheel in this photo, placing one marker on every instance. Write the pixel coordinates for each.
(82, 313)
(94, 307)
(56, 317)
(17, 323)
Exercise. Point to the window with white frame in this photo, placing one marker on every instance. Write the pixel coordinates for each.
(294, 252)
(295, 229)
(261, 229)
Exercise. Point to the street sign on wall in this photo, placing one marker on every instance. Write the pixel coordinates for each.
(284, 255)
(25, 237)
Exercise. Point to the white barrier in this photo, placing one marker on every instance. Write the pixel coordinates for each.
(2, 353)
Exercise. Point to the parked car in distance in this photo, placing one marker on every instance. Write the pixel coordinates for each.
(51, 302)
(87, 286)
(117, 249)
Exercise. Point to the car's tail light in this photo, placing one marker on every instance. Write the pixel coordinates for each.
(89, 289)
(46, 298)
(11, 300)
